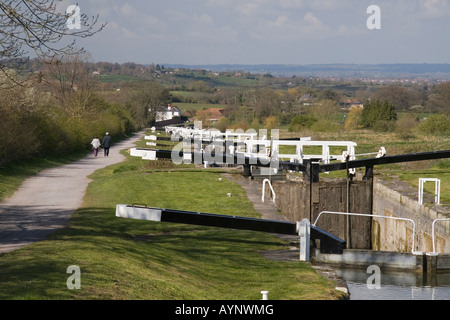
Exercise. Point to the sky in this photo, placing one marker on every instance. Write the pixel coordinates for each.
(200, 32)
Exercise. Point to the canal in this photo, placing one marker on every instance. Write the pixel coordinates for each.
(395, 285)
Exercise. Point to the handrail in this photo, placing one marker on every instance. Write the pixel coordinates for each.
(372, 216)
(432, 231)
(264, 188)
(300, 144)
(437, 189)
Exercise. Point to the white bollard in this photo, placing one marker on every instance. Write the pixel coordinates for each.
(265, 295)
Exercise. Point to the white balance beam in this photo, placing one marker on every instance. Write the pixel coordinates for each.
(138, 213)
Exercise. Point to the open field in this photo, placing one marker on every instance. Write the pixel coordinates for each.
(198, 106)
(440, 171)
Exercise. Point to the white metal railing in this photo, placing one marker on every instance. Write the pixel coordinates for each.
(249, 145)
(381, 153)
(272, 147)
(271, 189)
(210, 135)
(372, 216)
(437, 189)
(432, 232)
(325, 155)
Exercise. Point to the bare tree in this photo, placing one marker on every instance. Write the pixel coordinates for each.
(148, 101)
(38, 26)
(70, 82)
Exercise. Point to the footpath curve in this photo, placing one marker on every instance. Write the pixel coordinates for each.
(46, 201)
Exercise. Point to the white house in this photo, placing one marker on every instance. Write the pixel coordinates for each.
(168, 113)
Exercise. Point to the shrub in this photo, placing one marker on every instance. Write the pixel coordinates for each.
(377, 111)
(325, 126)
(438, 124)
(406, 125)
(34, 125)
(384, 126)
(222, 124)
(271, 122)
(353, 119)
(301, 122)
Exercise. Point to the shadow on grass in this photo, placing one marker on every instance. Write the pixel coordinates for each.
(108, 248)
(33, 279)
(158, 240)
(103, 222)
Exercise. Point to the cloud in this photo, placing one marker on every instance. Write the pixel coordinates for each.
(329, 5)
(281, 20)
(127, 24)
(247, 9)
(310, 18)
(130, 15)
(291, 4)
(201, 28)
(435, 8)
(205, 19)
(126, 10)
(116, 31)
(221, 3)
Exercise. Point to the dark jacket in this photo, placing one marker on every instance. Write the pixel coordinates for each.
(106, 143)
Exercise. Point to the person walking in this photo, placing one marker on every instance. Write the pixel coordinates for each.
(106, 143)
(95, 145)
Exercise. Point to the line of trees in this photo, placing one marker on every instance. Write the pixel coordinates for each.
(62, 110)
(60, 114)
(305, 108)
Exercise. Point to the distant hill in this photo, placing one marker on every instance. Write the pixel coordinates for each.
(424, 70)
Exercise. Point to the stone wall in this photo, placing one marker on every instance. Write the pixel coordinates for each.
(389, 199)
(400, 200)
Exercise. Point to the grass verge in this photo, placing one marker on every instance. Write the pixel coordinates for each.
(439, 170)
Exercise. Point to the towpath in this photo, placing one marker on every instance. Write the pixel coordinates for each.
(267, 209)
(46, 201)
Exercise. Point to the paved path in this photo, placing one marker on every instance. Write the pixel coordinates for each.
(45, 202)
(267, 209)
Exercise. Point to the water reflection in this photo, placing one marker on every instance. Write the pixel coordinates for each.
(397, 285)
